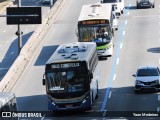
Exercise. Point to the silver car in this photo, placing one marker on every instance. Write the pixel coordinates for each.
(147, 78)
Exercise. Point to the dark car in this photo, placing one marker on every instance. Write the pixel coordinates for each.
(145, 4)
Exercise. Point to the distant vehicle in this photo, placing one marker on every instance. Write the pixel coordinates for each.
(145, 3)
(115, 9)
(71, 77)
(115, 21)
(95, 25)
(8, 104)
(119, 3)
(46, 1)
(147, 78)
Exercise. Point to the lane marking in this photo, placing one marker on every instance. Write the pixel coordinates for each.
(12, 53)
(158, 97)
(117, 61)
(110, 94)
(104, 113)
(123, 33)
(121, 45)
(125, 22)
(110, 79)
(43, 117)
(114, 77)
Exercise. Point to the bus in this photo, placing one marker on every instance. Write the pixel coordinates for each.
(8, 104)
(95, 25)
(71, 77)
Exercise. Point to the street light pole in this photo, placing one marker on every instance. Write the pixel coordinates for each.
(19, 32)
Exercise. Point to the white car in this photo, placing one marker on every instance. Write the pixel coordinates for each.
(147, 78)
(119, 3)
(115, 20)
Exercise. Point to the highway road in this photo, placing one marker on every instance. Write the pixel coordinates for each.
(136, 43)
(9, 41)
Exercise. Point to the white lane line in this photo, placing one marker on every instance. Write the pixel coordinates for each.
(104, 113)
(117, 61)
(114, 77)
(158, 97)
(43, 117)
(4, 68)
(110, 94)
(158, 109)
(121, 45)
(125, 22)
(123, 33)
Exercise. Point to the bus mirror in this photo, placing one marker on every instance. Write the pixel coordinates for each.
(76, 31)
(91, 75)
(43, 82)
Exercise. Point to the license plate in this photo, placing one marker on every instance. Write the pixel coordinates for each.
(145, 3)
(68, 106)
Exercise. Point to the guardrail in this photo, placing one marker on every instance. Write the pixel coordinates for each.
(15, 71)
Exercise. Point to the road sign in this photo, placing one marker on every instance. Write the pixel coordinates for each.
(24, 15)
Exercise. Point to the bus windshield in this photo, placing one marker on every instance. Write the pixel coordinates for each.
(95, 34)
(66, 81)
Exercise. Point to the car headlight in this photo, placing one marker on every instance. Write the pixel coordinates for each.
(138, 82)
(85, 99)
(157, 81)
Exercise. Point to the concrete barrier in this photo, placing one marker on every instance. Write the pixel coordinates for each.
(15, 71)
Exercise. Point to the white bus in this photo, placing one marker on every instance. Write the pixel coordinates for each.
(95, 24)
(119, 5)
(71, 77)
(7, 104)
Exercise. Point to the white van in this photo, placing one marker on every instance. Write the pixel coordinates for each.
(119, 3)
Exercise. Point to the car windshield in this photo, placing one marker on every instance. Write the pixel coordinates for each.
(147, 72)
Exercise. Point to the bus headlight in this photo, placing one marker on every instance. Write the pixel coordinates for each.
(85, 99)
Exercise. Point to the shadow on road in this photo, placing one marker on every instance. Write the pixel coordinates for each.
(11, 54)
(154, 50)
(131, 7)
(45, 54)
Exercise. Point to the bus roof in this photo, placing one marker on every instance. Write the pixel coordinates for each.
(78, 51)
(5, 97)
(95, 11)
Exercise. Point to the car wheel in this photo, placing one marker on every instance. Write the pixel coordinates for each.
(136, 91)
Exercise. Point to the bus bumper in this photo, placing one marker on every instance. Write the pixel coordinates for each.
(70, 106)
